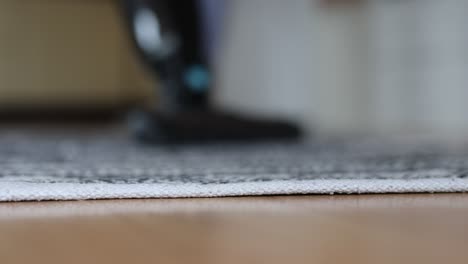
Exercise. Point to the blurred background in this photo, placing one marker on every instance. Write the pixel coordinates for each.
(377, 67)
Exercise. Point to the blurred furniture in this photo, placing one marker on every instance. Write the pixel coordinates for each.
(61, 54)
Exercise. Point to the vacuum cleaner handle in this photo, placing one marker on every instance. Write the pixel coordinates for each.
(167, 35)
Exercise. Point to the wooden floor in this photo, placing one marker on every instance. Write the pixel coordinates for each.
(304, 229)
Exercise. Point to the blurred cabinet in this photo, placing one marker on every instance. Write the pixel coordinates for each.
(59, 53)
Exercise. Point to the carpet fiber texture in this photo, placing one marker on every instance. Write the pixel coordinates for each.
(57, 164)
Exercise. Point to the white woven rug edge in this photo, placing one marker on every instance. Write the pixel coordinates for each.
(15, 191)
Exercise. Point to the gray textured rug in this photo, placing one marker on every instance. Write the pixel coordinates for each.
(57, 164)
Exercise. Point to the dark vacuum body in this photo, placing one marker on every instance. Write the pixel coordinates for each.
(168, 37)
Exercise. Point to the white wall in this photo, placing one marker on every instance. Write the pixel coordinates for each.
(386, 67)
(420, 59)
(297, 59)
(266, 64)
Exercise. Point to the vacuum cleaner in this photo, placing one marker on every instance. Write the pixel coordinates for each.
(169, 37)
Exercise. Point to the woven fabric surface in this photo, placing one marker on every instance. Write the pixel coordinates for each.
(71, 164)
